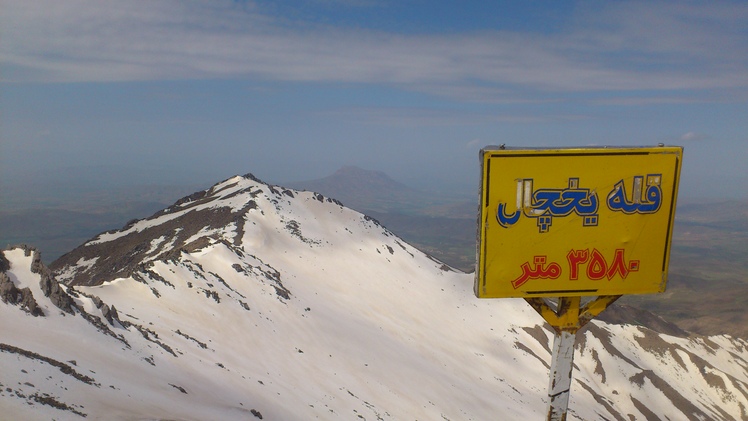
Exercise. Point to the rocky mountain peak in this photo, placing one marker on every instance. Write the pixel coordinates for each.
(219, 214)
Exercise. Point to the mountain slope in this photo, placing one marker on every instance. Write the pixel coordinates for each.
(252, 301)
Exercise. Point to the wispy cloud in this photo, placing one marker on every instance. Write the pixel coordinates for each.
(423, 116)
(475, 144)
(620, 47)
(692, 137)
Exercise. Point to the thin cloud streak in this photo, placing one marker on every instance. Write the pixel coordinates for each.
(693, 137)
(619, 48)
(430, 117)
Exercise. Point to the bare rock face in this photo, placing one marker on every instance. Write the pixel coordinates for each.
(50, 287)
(7, 288)
(4, 263)
(11, 294)
(110, 314)
(56, 294)
(23, 296)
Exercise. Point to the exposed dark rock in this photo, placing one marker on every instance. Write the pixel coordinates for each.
(282, 292)
(64, 368)
(4, 263)
(373, 221)
(196, 245)
(680, 402)
(145, 269)
(28, 303)
(250, 176)
(179, 388)
(23, 297)
(194, 197)
(336, 201)
(608, 404)
(210, 293)
(52, 289)
(131, 223)
(8, 290)
(202, 345)
(110, 314)
(49, 286)
(272, 274)
(48, 400)
(36, 264)
(101, 326)
(152, 336)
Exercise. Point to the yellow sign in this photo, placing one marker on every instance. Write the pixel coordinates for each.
(576, 222)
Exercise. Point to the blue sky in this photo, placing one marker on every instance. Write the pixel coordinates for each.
(189, 91)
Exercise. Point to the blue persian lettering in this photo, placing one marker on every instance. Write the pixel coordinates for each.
(643, 201)
(544, 204)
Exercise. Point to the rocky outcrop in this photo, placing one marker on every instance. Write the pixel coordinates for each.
(52, 289)
(11, 294)
(109, 313)
(49, 286)
(4, 263)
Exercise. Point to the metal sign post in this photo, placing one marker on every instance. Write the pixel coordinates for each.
(566, 320)
(572, 223)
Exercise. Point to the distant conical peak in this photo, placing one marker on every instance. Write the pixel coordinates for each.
(354, 170)
(358, 178)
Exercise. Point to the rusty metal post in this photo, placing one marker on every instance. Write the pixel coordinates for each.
(559, 384)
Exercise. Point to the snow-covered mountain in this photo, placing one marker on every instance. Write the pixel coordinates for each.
(249, 301)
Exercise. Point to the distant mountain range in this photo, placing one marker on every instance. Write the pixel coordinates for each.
(253, 301)
(366, 190)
